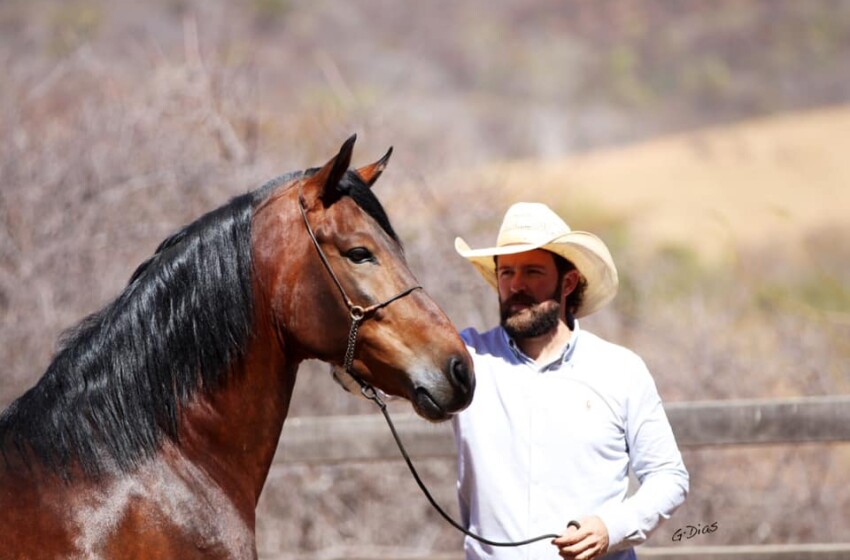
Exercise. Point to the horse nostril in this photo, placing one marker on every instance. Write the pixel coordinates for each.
(460, 373)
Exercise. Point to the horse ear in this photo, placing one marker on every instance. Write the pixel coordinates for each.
(370, 173)
(332, 172)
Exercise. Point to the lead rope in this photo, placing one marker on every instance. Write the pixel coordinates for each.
(370, 393)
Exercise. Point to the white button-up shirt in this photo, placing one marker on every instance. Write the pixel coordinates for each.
(540, 446)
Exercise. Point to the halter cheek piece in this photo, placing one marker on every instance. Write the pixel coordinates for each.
(358, 314)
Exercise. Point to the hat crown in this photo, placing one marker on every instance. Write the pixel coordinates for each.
(530, 223)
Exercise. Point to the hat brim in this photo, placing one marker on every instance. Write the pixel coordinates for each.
(586, 251)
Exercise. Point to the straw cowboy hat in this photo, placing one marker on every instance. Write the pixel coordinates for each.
(531, 225)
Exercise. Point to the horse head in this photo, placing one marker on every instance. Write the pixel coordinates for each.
(337, 287)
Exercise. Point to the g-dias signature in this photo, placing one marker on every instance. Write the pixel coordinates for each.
(690, 531)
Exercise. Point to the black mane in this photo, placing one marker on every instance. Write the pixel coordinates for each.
(115, 387)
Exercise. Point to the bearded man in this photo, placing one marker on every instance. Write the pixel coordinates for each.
(560, 415)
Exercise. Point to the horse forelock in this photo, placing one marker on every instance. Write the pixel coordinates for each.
(362, 194)
(351, 185)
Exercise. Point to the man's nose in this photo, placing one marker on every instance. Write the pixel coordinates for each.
(517, 283)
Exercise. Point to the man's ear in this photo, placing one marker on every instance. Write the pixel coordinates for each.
(569, 282)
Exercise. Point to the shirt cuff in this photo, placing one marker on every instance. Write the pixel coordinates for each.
(623, 528)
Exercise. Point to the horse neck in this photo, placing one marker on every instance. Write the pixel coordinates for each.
(233, 434)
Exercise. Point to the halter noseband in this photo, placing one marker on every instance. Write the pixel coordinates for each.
(357, 313)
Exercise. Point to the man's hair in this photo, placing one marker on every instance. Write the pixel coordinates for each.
(576, 297)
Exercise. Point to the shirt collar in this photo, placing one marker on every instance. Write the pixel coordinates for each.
(565, 357)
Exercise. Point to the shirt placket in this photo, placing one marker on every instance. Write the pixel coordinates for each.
(537, 485)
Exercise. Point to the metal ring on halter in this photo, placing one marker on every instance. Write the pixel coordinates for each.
(370, 393)
(357, 312)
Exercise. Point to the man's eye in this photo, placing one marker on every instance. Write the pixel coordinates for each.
(360, 255)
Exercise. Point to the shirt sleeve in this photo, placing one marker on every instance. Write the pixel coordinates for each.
(656, 461)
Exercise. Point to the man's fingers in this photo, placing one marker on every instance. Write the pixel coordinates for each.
(578, 551)
(573, 543)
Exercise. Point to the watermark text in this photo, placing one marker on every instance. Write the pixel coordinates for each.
(688, 532)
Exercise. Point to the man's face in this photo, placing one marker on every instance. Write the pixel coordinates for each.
(529, 293)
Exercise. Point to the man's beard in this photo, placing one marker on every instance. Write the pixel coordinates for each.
(535, 320)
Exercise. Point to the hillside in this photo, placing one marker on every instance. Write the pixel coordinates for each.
(761, 183)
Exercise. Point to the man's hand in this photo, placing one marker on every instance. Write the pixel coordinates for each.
(591, 541)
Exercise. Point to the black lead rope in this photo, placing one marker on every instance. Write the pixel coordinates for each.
(370, 393)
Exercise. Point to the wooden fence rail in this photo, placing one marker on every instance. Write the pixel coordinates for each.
(337, 439)
(329, 440)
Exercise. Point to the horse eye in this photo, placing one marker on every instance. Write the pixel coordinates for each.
(360, 255)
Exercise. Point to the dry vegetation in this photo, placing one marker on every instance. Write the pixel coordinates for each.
(121, 121)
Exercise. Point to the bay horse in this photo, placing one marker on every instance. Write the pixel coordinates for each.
(152, 431)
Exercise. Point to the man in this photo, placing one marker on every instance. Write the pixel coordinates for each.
(559, 414)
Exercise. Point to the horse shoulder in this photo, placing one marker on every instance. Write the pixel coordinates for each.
(159, 510)
(173, 510)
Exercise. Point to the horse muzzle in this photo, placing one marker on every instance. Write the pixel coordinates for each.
(438, 401)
